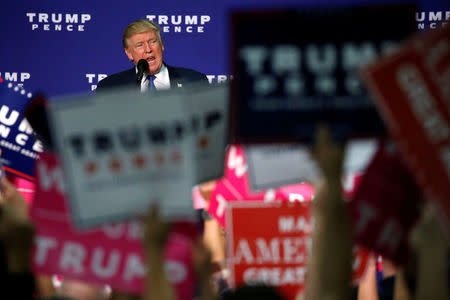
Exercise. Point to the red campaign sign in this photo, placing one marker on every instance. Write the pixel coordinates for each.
(270, 242)
(412, 90)
(235, 186)
(385, 206)
(111, 254)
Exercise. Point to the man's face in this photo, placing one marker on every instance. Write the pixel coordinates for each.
(148, 46)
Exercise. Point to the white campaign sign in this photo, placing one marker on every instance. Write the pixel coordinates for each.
(272, 166)
(208, 106)
(122, 151)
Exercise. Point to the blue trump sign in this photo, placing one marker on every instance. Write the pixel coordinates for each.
(19, 147)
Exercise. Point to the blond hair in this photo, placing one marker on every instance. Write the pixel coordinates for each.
(140, 26)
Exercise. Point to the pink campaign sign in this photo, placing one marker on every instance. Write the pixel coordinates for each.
(25, 187)
(235, 186)
(111, 254)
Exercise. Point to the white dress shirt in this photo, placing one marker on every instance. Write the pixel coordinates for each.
(161, 82)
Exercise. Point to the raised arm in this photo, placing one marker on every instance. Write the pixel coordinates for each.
(329, 267)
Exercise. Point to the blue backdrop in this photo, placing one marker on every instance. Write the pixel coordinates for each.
(61, 47)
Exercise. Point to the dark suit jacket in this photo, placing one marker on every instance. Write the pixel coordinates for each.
(128, 78)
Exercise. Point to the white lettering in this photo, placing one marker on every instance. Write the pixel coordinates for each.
(270, 195)
(24, 76)
(50, 177)
(435, 16)
(265, 85)
(221, 78)
(354, 56)
(25, 127)
(8, 120)
(266, 255)
(321, 62)
(285, 58)
(72, 257)
(210, 78)
(254, 57)
(134, 267)
(222, 205)
(21, 139)
(56, 20)
(11, 76)
(85, 18)
(101, 76)
(90, 77)
(43, 18)
(111, 267)
(421, 17)
(30, 16)
(37, 146)
(4, 131)
(286, 224)
(191, 20)
(423, 103)
(204, 19)
(236, 162)
(294, 85)
(325, 85)
(275, 276)
(243, 252)
(176, 20)
(163, 20)
(71, 18)
(43, 247)
(288, 277)
(296, 197)
(175, 271)
(291, 253)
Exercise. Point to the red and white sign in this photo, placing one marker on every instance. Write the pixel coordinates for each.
(412, 89)
(270, 242)
(385, 205)
(111, 254)
(235, 186)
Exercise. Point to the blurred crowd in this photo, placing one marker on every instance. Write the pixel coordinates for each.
(329, 274)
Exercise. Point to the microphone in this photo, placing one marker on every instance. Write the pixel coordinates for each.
(142, 66)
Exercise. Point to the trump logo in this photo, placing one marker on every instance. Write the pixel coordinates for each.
(57, 21)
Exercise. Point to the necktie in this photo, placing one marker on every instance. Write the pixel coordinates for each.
(151, 84)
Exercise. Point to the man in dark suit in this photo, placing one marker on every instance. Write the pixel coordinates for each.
(142, 40)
